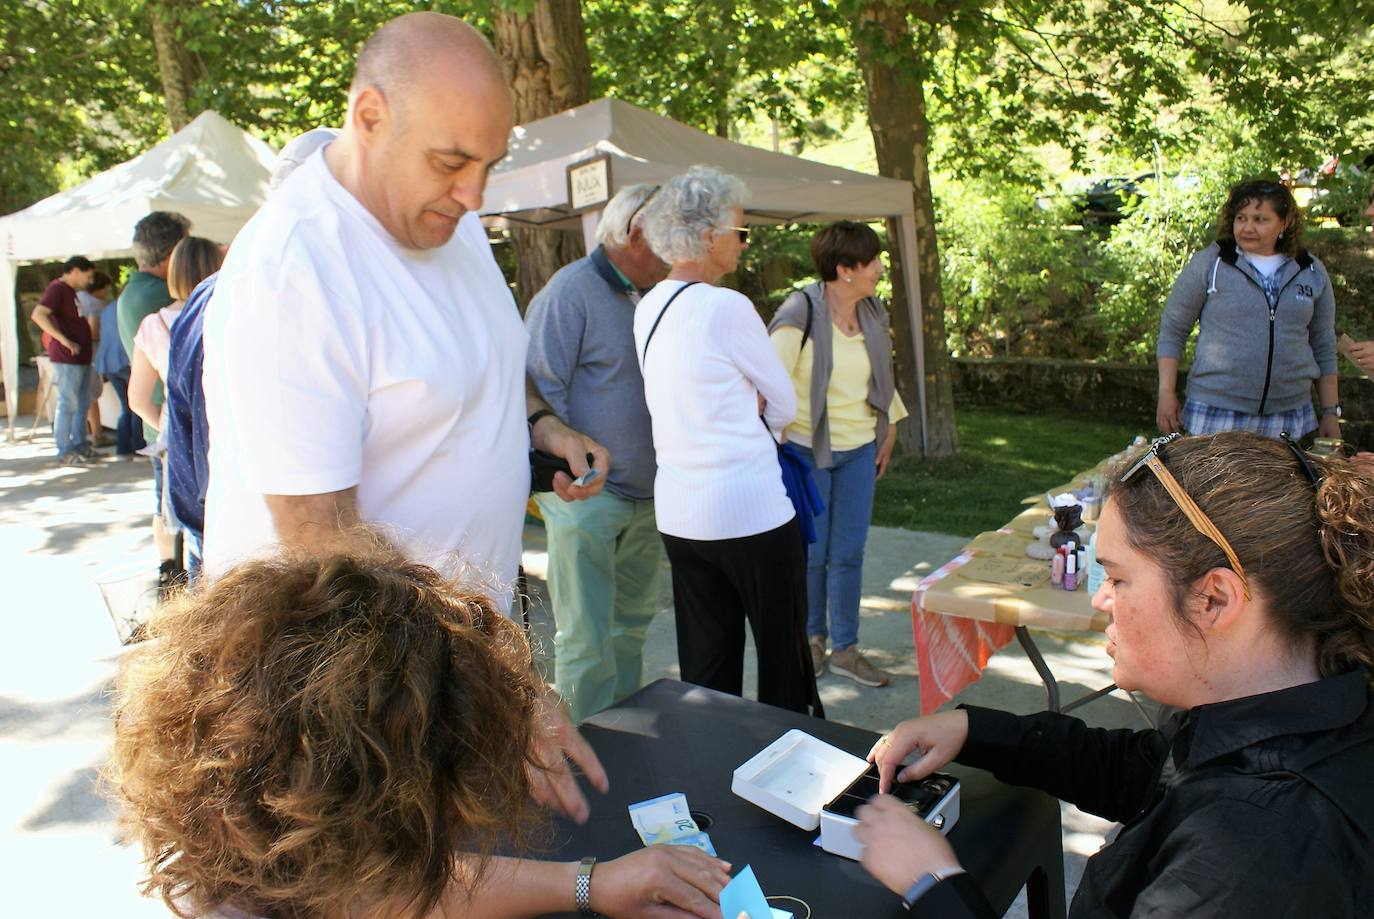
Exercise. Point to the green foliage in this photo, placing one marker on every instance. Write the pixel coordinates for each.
(1344, 195)
(1097, 77)
(1348, 255)
(716, 63)
(1021, 280)
(1144, 254)
(1016, 272)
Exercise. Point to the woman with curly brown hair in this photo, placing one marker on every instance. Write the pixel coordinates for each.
(1239, 588)
(342, 735)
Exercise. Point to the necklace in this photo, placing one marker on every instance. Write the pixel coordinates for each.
(849, 324)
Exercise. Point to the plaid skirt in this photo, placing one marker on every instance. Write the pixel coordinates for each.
(1200, 418)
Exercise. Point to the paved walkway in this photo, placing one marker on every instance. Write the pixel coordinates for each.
(63, 529)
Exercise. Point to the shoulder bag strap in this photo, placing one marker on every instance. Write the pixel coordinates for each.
(644, 358)
(810, 315)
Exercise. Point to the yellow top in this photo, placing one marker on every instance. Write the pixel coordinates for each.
(852, 419)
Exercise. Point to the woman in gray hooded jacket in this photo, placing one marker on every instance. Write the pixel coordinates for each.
(1266, 319)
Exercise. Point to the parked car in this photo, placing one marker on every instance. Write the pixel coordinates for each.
(1105, 200)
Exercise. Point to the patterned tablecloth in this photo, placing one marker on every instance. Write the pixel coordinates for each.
(951, 652)
(958, 624)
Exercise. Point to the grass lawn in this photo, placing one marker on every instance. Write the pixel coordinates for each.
(1003, 457)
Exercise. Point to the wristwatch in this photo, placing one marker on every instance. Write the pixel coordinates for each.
(1332, 410)
(534, 419)
(924, 883)
(582, 889)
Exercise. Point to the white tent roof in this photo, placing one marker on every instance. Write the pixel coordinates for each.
(531, 185)
(211, 171)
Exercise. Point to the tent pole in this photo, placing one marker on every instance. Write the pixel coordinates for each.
(9, 340)
(911, 275)
(590, 221)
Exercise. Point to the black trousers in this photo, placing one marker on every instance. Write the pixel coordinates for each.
(719, 584)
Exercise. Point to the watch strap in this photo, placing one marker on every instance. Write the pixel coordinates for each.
(542, 413)
(1332, 410)
(582, 887)
(924, 883)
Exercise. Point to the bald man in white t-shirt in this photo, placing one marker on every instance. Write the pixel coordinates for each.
(364, 359)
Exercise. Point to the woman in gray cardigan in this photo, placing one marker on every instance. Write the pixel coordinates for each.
(1266, 319)
(833, 338)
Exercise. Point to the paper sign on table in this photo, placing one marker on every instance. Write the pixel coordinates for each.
(1004, 571)
(744, 895)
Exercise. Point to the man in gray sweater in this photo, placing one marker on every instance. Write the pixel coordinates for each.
(604, 552)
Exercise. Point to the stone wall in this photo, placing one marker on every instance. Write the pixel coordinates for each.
(1123, 390)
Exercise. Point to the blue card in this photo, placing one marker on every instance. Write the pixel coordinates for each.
(744, 895)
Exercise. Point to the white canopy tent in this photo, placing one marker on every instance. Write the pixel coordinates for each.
(530, 188)
(211, 171)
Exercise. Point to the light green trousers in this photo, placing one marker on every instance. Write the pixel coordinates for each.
(604, 557)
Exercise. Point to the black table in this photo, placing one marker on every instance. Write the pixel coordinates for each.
(672, 736)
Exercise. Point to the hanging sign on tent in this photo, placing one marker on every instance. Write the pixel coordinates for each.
(589, 183)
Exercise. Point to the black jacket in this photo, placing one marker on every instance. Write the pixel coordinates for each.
(1262, 806)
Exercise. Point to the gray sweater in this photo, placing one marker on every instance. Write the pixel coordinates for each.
(582, 357)
(1238, 364)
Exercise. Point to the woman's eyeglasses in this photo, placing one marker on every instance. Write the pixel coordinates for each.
(742, 231)
(1200, 521)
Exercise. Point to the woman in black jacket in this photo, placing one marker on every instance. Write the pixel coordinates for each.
(1240, 588)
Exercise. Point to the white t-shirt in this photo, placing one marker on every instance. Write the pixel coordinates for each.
(1266, 264)
(718, 474)
(336, 357)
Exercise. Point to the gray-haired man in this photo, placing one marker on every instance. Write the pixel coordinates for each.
(604, 552)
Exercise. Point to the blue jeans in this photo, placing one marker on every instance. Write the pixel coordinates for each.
(73, 384)
(129, 429)
(835, 561)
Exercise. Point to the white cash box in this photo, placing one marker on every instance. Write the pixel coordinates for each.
(810, 783)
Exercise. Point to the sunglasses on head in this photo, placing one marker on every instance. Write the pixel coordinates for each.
(1301, 455)
(1153, 461)
(1200, 521)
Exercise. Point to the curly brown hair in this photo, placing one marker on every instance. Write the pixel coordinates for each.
(313, 733)
(1280, 198)
(1307, 550)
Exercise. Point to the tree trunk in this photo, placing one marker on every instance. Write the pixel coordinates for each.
(545, 57)
(174, 64)
(901, 136)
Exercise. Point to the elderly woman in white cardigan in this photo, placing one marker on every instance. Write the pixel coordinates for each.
(729, 528)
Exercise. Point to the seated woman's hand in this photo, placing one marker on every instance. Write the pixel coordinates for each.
(899, 847)
(672, 882)
(938, 737)
(552, 783)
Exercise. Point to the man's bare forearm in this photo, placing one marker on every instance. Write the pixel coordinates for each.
(316, 521)
(534, 400)
(43, 318)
